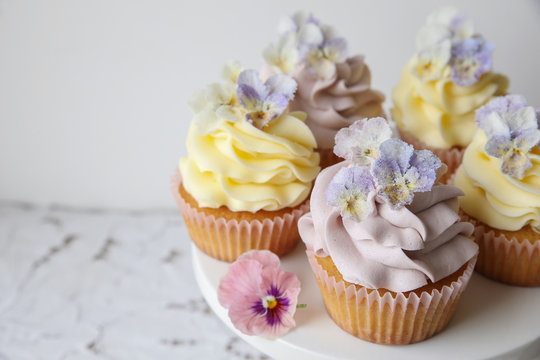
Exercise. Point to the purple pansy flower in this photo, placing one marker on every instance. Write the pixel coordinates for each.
(512, 131)
(264, 102)
(352, 191)
(260, 297)
(400, 171)
(360, 142)
(471, 58)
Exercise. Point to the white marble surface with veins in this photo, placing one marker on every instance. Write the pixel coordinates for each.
(89, 284)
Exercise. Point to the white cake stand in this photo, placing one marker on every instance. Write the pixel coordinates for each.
(493, 321)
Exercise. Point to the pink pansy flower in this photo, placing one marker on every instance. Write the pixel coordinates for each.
(260, 297)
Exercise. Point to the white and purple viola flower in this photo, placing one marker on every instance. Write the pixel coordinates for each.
(352, 192)
(304, 40)
(320, 48)
(400, 171)
(360, 142)
(261, 298)
(512, 130)
(448, 39)
(264, 102)
(381, 168)
(471, 58)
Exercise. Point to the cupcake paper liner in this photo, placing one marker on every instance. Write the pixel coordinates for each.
(226, 239)
(451, 157)
(505, 259)
(404, 318)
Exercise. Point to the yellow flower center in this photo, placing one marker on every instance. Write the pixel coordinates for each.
(270, 302)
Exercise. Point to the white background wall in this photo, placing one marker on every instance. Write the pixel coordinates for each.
(93, 93)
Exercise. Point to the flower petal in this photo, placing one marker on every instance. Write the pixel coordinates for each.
(432, 60)
(251, 91)
(231, 70)
(516, 164)
(349, 191)
(264, 257)
(243, 279)
(244, 318)
(397, 150)
(524, 118)
(230, 113)
(431, 35)
(360, 141)
(336, 49)
(206, 121)
(281, 84)
(198, 101)
(310, 33)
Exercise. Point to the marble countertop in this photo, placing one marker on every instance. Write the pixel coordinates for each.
(94, 284)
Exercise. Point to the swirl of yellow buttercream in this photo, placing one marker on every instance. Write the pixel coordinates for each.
(438, 112)
(496, 199)
(248, 169)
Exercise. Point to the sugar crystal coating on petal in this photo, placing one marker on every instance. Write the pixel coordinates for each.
(400, 171)
(350, 191)
(471, 58)
(360, 142)
(264, 102)
(512, 130)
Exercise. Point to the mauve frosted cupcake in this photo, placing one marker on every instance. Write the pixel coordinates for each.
(333, 89)
(249, 169)
(443, 84)
(385, 242)
(500, 176)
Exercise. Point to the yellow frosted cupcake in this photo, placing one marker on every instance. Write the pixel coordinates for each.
(333, 89)
(443, 84)
(384, 240)
(500, 176)
(249, 169)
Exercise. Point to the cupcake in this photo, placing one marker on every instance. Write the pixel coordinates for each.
(443, 84)
(385, 242)
(500, 176)
(333, 89)
(250, 166)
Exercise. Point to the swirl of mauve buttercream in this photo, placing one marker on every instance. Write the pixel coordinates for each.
(338, 101)
(399, 250)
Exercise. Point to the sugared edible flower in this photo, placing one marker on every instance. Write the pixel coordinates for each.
(360, 142)
(432, 60)
(264, 102)
(512, 131)
(382, 169)
(241, 95)
(352, 191)
(304, 40)
(321, 49)
(261, 298)
(400, 171)
(471, 58)
(448, 39)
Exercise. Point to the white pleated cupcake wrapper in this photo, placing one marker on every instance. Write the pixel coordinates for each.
(228, 239)
(451, 157)
(388, 325)
(506, 260)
